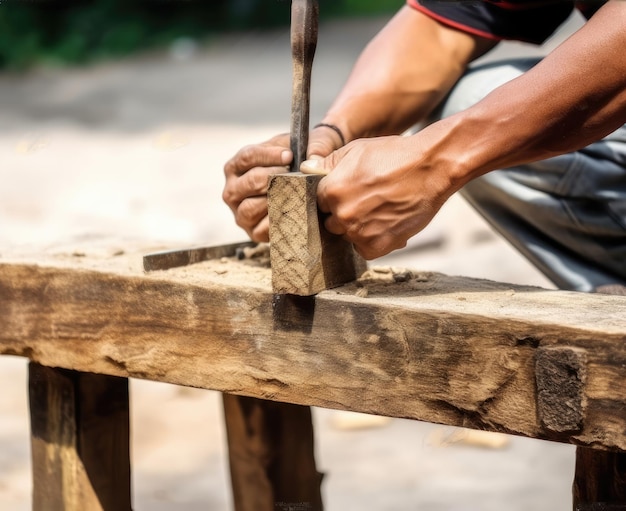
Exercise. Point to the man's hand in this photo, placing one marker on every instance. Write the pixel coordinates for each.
(248, 171)
(379, 192)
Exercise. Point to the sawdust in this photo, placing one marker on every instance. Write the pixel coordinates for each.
(251, 272)
(250, 267)
(378, 280)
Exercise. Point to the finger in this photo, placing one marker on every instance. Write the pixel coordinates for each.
(251, 212)
(255, 182)
(364, 252)
(324, 166)
(282, 140)
(314, 165)
(323, 201)
(322, 142)
(333, 226)
(372, 248)
(250, 184)
(317, 165)
(257, 156)
(261, 232)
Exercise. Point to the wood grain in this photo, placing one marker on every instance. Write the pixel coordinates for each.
(440, 349)
(305, 257)
(80, 440)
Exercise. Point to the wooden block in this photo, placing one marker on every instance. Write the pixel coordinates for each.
(305, 258)
(80, 443)
(271, 453)
(561, 377)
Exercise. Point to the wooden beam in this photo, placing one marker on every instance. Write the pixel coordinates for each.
(271, 453)
(418, 345)
(80, 440)
(306, 258)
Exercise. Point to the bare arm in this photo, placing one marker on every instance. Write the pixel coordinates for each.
(574, 97)
(401, 76)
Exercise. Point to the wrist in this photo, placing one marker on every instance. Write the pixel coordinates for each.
(341, 121)
(336, 129)
(451, 149)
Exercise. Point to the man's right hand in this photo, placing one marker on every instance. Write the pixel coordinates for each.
(248, 171)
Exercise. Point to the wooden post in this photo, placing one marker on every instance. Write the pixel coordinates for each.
(599, 480)
(271, 451)
(80, 440)
(305, 257)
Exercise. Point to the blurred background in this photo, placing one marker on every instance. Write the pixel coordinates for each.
(116, 118)
(61, 32)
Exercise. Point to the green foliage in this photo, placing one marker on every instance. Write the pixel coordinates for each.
(369, 7)
(77, 31)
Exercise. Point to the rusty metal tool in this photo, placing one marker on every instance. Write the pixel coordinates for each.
(184, 257)
(304, 30)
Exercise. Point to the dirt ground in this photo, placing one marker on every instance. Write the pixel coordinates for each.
(134, 150)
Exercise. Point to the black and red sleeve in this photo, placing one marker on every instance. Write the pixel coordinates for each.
(520, 20)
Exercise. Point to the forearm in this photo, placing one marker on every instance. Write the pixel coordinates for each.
(575, 96)
(402, 75)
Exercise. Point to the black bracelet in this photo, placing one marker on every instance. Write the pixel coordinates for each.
(334, 128)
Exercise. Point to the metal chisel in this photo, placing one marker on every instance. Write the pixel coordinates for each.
(304, 29)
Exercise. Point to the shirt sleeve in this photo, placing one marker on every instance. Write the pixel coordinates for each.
(520, 20)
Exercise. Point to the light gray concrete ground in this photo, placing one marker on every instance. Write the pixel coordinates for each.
(135, 149)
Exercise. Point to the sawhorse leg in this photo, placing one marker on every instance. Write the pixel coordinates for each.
(600, 480)
(271, 452)
(80, 440)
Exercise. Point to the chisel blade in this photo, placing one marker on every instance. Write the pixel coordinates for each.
(183, 257)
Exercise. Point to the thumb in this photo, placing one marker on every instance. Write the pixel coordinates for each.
(322, 142)
(316, 165)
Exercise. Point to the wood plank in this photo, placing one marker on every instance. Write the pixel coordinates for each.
(424, 346)
(271, 453)
(80, 440)
(306, 258)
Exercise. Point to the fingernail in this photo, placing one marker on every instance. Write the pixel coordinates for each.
(285, 157)
(313, 166)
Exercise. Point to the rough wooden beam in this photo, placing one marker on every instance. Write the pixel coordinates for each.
(419, 345)
(271, 452)
(80, 444)
(306, 258)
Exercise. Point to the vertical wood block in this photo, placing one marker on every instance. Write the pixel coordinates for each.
(271, 452)
(79, 440)
(305, 257)
(561, 375)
